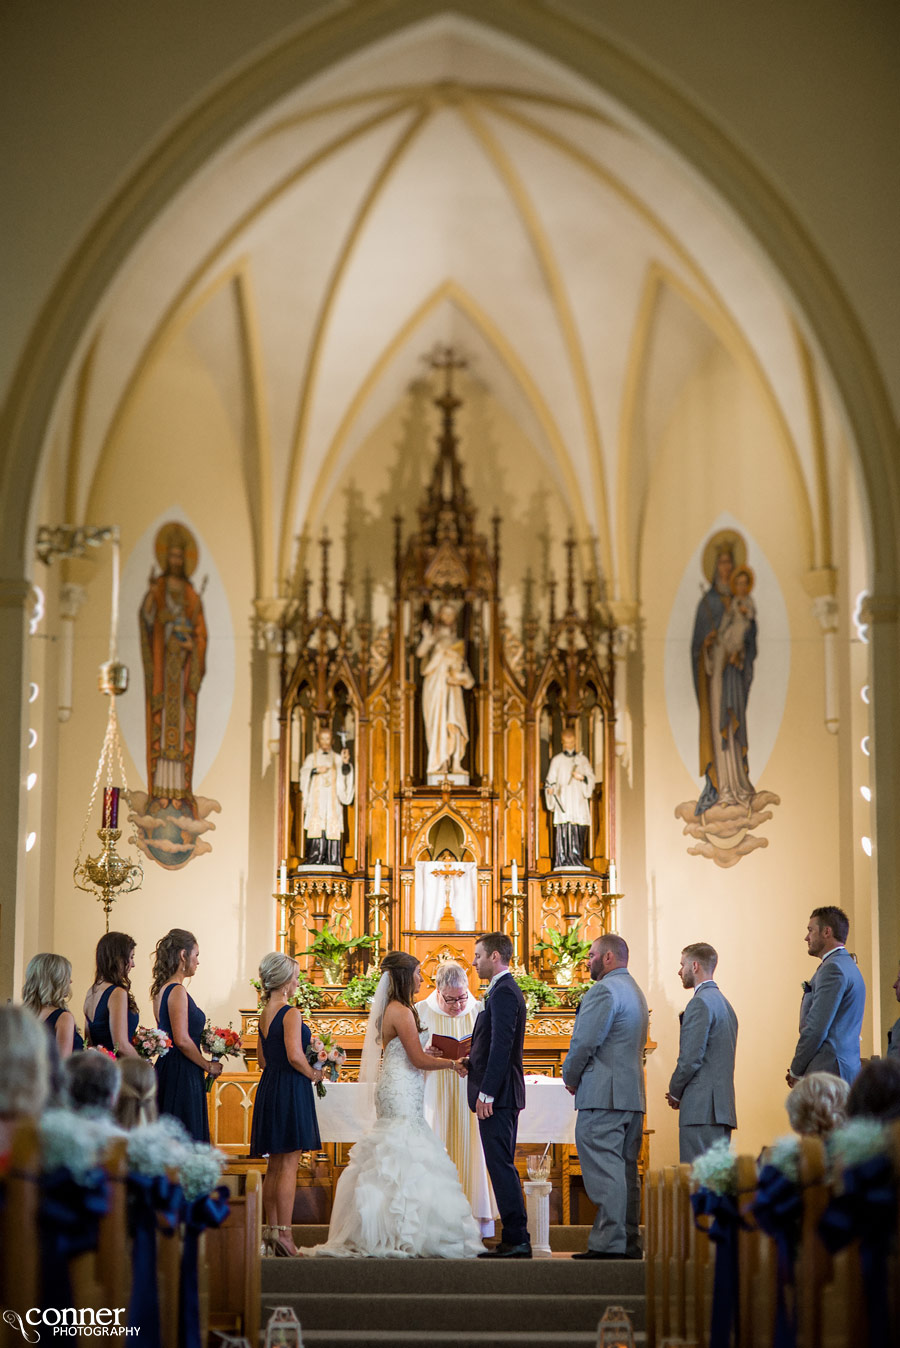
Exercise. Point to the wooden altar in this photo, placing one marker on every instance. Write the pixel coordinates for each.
(487, 809)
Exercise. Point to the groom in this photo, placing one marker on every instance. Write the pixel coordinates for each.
(496, 1087)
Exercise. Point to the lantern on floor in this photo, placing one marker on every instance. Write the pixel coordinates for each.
(615, 1330)
(283, 1329)
(108, 875)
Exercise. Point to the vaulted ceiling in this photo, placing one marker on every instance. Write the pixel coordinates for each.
(449, 185)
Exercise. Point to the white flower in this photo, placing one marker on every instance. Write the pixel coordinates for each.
(74, 1140)
(856, 1141)
(201, 1169)
(716, 1169)
(784, 1155)
(155, 1148)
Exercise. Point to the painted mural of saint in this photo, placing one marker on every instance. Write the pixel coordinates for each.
(723, 654)
(173, 647)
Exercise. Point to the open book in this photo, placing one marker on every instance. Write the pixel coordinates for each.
(450, 1047)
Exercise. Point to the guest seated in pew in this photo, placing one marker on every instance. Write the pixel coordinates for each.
(136, 1104)
(875, 1094)
(24, 1078)
(48, 987)
(817, 1104)
(94, 1082)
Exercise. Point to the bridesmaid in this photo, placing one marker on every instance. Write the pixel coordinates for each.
(181, 1073)
(284, 1112)
(110, 1011)
(48, 987)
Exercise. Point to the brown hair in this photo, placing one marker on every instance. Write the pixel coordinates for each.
(113, 953)
(496, 940)
(617, 947)
(401, 967)
(137, 1094)
(168, 956)
(835, 918)
(704, 954)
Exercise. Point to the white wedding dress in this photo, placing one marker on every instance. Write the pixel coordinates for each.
(400, 1196)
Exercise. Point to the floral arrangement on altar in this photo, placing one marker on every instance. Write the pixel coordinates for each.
(150, 1043)
(360, 990)
(536, 992)
(220, 1042)
(326, 1055)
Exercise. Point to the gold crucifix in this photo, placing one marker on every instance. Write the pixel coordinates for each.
(447, 873)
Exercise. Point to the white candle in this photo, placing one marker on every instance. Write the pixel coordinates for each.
(515, 878)
(378, 877)
(282, 878)
(613, 879)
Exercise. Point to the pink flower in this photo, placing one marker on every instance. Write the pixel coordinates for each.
(322, 1055)
(334, 1055)
(316, 1043)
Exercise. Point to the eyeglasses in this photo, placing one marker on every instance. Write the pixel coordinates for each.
(454, 1001)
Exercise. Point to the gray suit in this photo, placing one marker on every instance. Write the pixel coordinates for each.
(703, 1080)
(605, 1068)
(894, 1040)
(831, 1016)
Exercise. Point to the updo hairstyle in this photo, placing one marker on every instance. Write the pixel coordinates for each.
(274, 971)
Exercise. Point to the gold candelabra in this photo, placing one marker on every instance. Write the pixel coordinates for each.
(379, 901)
(510, 901)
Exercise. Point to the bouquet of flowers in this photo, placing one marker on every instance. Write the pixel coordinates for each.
(219, 1043)
(149, 1043)
(327, 1056)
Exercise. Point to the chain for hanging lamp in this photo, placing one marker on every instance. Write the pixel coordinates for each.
(109, 875)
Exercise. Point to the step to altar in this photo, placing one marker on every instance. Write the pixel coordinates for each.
(370, 1303)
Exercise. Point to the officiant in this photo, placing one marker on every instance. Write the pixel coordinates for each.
(451, 1009)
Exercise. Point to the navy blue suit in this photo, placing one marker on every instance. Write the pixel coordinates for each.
(495, 1068)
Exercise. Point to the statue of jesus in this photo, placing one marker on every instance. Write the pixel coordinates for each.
(445, 674)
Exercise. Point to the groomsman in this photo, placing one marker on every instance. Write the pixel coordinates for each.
(893, 1049)
(496, 1088)
(702, 1085)
(834, 1000)
(604, 1070)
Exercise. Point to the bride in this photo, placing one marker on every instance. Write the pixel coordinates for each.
(400, 1196)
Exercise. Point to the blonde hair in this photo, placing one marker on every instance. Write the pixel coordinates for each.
(449, 974)
(137, 1093)
(817, 1104)
(48, 982)
(24, 1063)
(274, 971)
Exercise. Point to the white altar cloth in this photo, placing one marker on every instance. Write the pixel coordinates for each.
(348, 1111)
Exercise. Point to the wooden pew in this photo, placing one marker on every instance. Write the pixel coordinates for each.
(19, 1265)
(233, 1264)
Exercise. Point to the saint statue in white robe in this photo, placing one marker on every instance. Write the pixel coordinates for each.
(444, 676)
(326, 782)
(451, 1009)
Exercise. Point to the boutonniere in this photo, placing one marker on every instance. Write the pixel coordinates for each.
(807, 987)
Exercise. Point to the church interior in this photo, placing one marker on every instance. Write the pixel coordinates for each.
(448, 363)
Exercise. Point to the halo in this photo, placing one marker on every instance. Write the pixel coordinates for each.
(176, 535)
(726, 540)
(742, 569)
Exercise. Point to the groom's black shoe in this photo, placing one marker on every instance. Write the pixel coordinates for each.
(504, 1251)
(599, 1254)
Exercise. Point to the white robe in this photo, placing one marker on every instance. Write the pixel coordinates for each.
(443, 705)
(325, 794)
(570, 802)
(447, 1109)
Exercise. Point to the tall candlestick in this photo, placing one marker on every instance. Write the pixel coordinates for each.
(613, 878)
(515, 878)
(378, 877)
(282, 878)
(110, 807)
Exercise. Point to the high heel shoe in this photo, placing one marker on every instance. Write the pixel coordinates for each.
(279, 1245)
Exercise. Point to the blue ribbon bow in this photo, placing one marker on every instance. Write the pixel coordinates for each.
(155, 1204)
(723, 1232)
(778, 1210)
(866, 1210)
(69, 1215)
(199, 1214)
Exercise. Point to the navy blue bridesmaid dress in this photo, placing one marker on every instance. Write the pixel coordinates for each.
(284, 1112)
(180, 1083)
(98, 1029)
(50, 1022)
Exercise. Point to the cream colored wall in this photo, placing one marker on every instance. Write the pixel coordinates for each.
(722, 451)
(176, 449)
